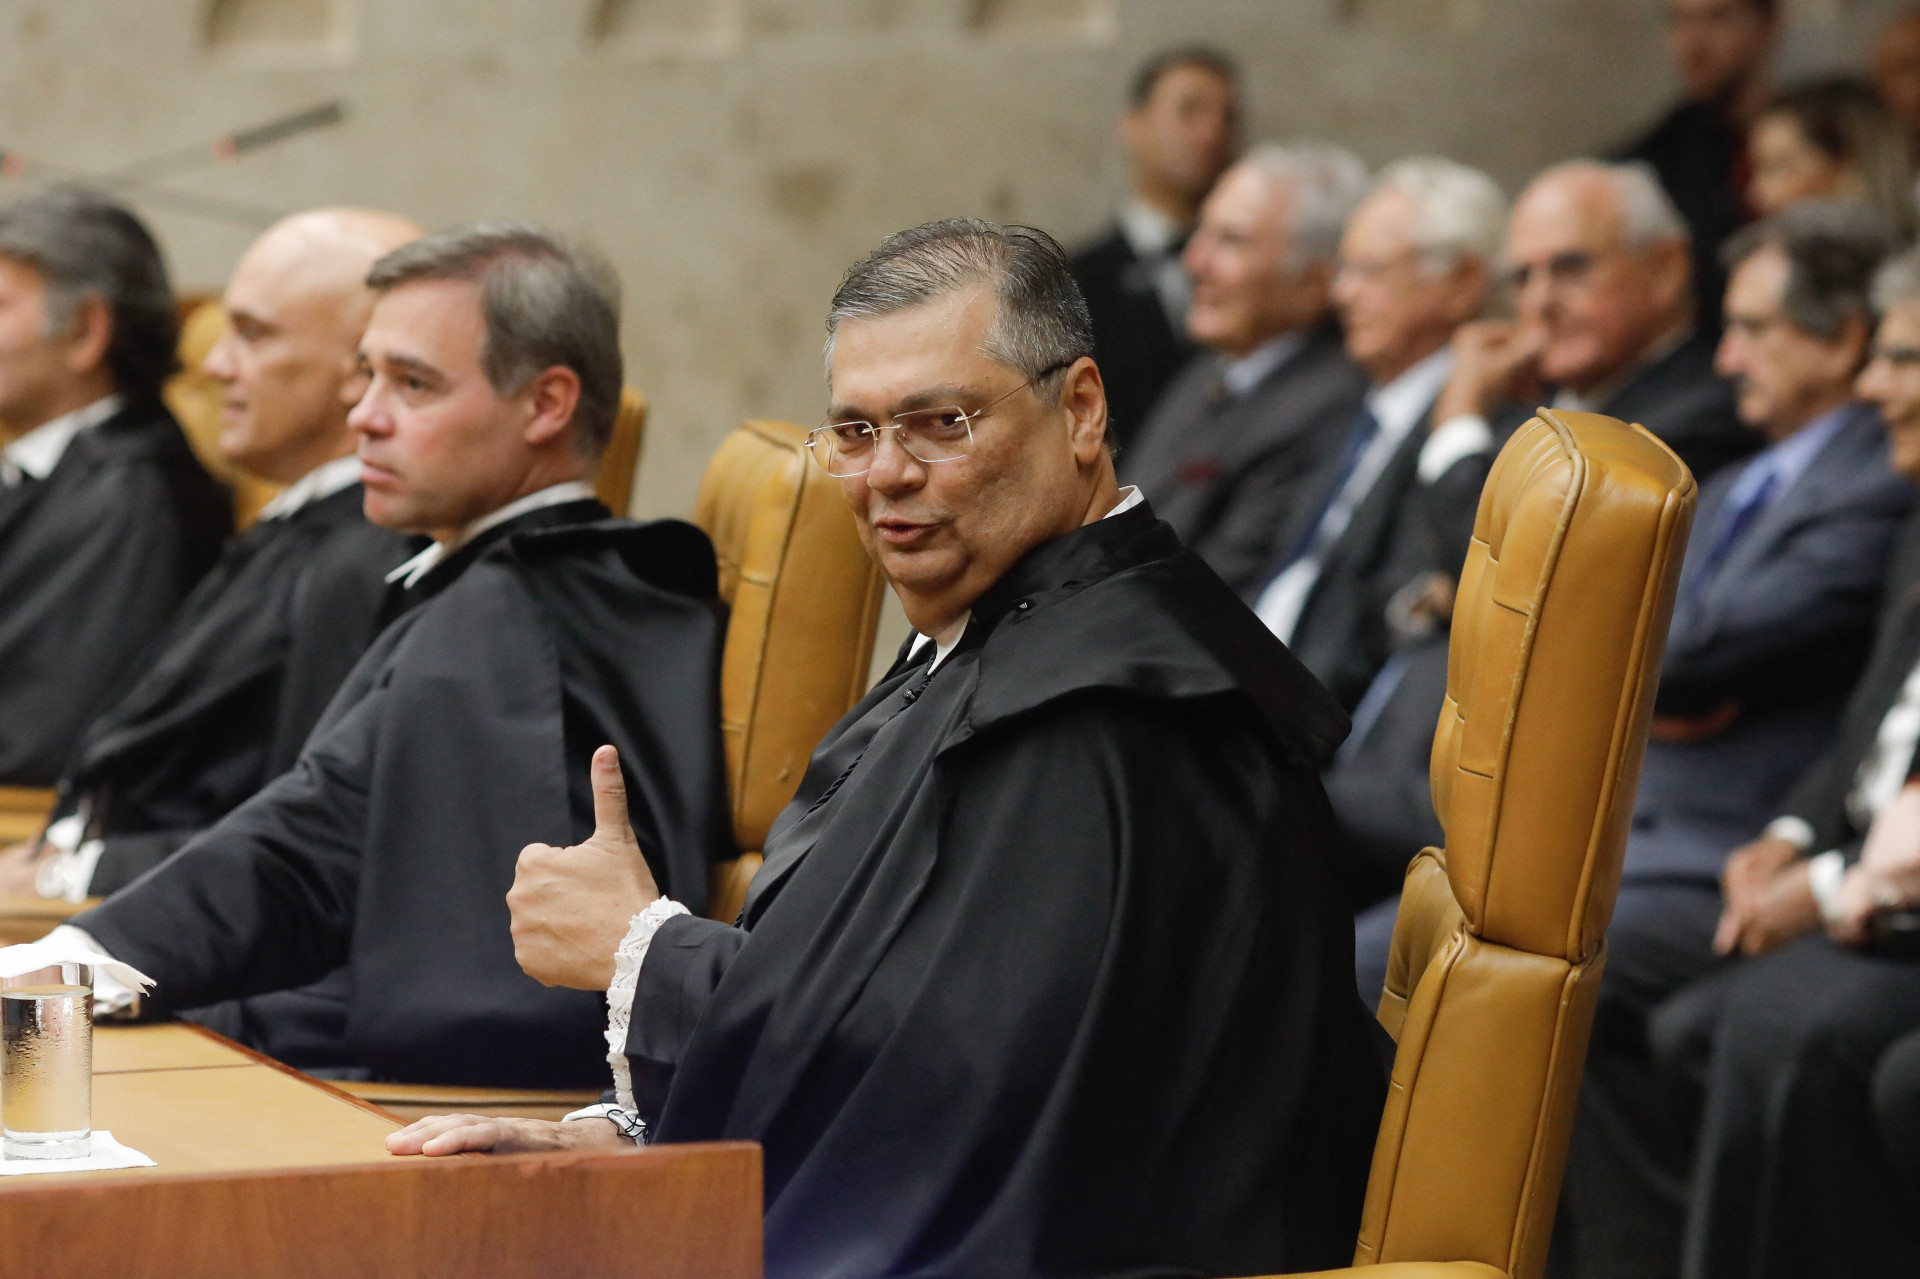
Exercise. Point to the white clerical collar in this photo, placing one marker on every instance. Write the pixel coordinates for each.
(323, 480)
(553, 495)
(1147, 231)
(36, 453)
(1247, 372)
(1130, 497)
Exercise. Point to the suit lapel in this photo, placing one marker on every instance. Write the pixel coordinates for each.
(1837, 462)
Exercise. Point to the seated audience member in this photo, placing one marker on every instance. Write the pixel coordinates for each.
(1896, 74)
(106, 518)
(535, 627)
(1598, 263)
(1180, 131)
(1723, 50)
(1048, 937)
(1770, 631)
(1830, 140)
(1416, 262)
(227, 697)
(1778, 1053)
(1231, 448)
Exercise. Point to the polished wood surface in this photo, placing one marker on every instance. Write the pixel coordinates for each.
(264, 1171)
(23, 812)
(24, 919)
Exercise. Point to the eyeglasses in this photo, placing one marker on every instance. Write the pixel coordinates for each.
(931, 436)
(1561, 270)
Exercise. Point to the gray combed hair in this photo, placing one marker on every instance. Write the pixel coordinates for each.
(1459, 212)
(1648, 215)
(1833, 250)
(1897, 282)
(545, 303)
(1043, 322)
(1326, 181)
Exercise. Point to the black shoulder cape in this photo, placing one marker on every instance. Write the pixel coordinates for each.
(1045, 973)
(93, 561)
(386, 853)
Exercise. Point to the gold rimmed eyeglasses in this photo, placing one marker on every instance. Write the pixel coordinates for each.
(931, 436)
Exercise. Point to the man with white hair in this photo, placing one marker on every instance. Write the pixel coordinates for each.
(1416, 262)
(1597, 258)
(1233, 444)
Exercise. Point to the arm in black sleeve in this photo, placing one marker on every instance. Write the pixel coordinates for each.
(125, 858)
(334, 619)
(683, 966)
(264, 900)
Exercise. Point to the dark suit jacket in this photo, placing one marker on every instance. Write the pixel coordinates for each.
(1230, 474)
(1782, 631)
(1133, 341)
(1695, 151)
(1690, 407)
(93, 561)
(1820, 796)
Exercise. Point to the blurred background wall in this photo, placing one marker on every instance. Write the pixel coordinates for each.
(732, 156)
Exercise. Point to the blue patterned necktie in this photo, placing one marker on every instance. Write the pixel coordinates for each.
(1734, 521)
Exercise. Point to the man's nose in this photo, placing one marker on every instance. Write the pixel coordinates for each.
(894, 469)
(219, 363)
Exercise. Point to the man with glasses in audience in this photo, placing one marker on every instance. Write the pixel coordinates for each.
(1597, 260)
(1045, 972)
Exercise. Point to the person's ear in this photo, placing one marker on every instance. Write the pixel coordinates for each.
(89, 334)
(1672, 265)
(1083, 397)
(1856, 342)
(1469, 286)
(551, 396)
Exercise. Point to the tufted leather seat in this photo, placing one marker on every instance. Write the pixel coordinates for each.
(1557, 636)
(805, 601)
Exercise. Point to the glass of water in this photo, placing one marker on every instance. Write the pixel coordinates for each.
(46, 1063)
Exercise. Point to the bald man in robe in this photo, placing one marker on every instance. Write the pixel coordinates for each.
(242, 672)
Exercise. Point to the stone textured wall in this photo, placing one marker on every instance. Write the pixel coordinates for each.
(731, 156)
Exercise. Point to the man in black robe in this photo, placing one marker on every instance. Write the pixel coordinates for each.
(534, 628)
(226, 699)
(106, 518)
(1046, 972)
(1180, 131)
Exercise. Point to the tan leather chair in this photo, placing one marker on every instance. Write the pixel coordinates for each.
(805, 601)
(1557, 636)
(614, 481)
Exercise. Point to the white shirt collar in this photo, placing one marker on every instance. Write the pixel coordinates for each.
(1130, 497)
(36, 453)
(1247, 372)
(1147, 231)
(553, 495)
(1401, 403)
(323, 480)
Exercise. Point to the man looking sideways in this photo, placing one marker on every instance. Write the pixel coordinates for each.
(1045, 971)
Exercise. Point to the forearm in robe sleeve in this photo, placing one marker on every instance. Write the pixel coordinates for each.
(684, 964)
(264, 900)
(125, 858)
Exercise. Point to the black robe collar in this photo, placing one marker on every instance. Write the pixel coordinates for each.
(1119, 604)
(401, 598)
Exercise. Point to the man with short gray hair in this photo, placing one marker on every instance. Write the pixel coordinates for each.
(1232, 447)
(106, 517)
(1045, 972)
(533, 629)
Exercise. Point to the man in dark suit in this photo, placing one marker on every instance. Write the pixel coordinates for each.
(1180, 131)
(106, 518)
(1770, 630)
(1801, 1061)
(1416, 262)
(1234, 443)
(1598, 261)
(1722, 49)
(228, 694)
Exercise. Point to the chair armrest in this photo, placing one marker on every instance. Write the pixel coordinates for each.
(417, 1101)
(729, 883)
(1408, 1270)
(24, 919)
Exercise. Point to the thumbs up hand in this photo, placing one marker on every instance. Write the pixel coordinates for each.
(571, 906)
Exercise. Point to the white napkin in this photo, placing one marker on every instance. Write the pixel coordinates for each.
(107, 1153)
(56, 948)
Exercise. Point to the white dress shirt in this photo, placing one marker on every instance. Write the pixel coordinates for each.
(323, 480)
(35, 454)
(1151, 235)
(1398, 407)
(553, 495)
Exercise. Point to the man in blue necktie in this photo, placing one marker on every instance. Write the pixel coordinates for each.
(1771, 629)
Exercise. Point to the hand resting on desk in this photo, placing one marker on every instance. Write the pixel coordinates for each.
(458, 1134)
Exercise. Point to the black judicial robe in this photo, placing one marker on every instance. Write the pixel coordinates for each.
(1045, 973)
(225, 700)
(463, 734)
(93, 561)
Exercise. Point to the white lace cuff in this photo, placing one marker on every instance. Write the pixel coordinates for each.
(626, 976)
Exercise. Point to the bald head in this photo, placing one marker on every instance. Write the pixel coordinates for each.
(298, 303)
(1599, 263)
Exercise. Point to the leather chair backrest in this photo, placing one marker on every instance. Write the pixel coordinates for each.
(1558, 630)
(805, 600)
(614, 480)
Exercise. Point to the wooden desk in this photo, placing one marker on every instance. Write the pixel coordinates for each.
(263, 1171)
